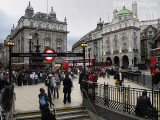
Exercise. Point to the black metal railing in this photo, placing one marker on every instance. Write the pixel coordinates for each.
(123, 99)
(142, 79)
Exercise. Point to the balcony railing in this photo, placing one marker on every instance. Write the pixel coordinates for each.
(108, 53)
(116, 52)
(135, 50)
(124, 51)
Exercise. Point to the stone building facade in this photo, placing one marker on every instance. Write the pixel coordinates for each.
(122, 37)
(52, 33)
(118, 41)
(148, 39)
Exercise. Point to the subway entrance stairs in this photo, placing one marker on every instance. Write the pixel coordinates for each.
(66, 113)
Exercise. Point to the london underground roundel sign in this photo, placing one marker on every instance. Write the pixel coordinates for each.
(49, 51)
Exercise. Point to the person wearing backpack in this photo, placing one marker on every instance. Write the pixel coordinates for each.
(43, 100)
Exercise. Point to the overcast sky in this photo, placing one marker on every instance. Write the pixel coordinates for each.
(82, 15)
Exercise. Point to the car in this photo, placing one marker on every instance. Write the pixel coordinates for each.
(134, 70)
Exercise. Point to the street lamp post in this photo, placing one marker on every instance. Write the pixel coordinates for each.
(83, 45)
(89, 49)
(30, 42)
(10, 43)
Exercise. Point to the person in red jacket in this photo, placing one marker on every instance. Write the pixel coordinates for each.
(91, 77)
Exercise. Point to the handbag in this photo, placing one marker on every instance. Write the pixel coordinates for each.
(116, 81)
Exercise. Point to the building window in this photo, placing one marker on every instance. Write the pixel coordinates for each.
(59, 37)
(150, 32)
(39, 25)
(31, 23)
(134, 24)
(134, 33)
(135, 43)
(47, 42)
(120, 26)
(110, 29)
(59, 43)
(108, 47)
(55, 27)
(47, 26)
(102, 46)
(124, 34)
(124, 44)
(125, 24)
(58, 50)
(115, 45)
(102, 53)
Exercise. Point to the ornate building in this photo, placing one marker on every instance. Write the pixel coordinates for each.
(122, 37)
(52, 33)
(157, 41)
(118, 41)
(148, 37)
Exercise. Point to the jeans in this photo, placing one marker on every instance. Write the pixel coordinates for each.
(36, 81)
(55, 90)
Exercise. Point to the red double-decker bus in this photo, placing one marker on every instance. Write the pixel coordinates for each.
(77, 63)
(155, 60)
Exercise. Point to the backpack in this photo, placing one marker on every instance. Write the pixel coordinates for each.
(43, 101)
(47, 81)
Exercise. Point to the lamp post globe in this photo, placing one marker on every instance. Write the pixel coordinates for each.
(83, 45)
(10, 44)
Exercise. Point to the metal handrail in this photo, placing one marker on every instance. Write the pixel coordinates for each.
(91, 103)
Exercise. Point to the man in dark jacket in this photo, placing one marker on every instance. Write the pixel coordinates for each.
(119, 76)
(156, 79)
(43, 100)
(143, 105)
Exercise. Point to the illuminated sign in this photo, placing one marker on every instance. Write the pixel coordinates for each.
(49, 51)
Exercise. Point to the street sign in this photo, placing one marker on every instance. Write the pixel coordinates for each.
(47, 54)
(49, 51)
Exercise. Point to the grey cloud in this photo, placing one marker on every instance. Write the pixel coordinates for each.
(6, 24)
(71, 40)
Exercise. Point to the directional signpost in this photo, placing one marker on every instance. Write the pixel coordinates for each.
(47, 54)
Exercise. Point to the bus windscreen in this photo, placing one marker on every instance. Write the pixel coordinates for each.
(156, 53)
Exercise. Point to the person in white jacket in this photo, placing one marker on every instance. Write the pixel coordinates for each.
(53, 84)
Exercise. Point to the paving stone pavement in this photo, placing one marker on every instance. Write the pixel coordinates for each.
(27, 96)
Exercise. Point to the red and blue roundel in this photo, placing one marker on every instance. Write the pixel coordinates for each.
(49, 51)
